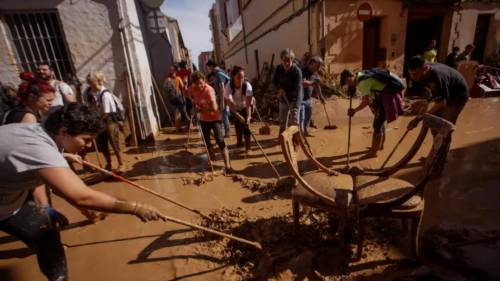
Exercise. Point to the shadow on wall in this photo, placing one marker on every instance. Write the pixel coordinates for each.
(344, 34)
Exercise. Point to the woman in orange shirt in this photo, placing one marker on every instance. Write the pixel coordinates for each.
(203, 96)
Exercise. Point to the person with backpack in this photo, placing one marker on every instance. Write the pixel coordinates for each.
(174, 88)
(209, 116)
(381, 91)
(218, 80)
(99, 98)
(238, 95)
(64, 93)
(30, 154)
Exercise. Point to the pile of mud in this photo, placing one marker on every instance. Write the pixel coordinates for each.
(312, 254)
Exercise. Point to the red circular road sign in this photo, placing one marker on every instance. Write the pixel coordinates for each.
(365, 12)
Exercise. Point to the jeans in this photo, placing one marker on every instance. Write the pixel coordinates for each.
(36, 230)
(305, 115)
(242, 129)
(214, 126)
(225, 120)
(292, 118)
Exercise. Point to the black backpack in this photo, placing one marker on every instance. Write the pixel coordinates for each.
(120, 114)
(392, 82)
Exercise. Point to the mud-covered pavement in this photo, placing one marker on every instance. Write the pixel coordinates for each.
(460, 214)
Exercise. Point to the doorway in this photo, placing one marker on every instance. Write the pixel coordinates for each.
(419, 33)
(371, 42)
(480, 36)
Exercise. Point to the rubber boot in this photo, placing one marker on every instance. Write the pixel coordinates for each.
(376, 141)
(227, 163)
(382, 141)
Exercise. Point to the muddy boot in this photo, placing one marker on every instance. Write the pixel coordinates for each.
(376, 140)
(239, 141)
(121, 167)
(382, 141)
(248, 144)
(227, 163)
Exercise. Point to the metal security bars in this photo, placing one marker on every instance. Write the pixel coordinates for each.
(37, 37)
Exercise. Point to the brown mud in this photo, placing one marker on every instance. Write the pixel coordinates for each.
(460, 220)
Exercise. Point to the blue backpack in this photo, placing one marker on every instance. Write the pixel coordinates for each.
(392, 82)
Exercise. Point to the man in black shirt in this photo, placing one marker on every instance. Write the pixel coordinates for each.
(311, 86)
(287, 79)
(448, 92)
(447, 87)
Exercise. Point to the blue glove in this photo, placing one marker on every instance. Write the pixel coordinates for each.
(56, 217)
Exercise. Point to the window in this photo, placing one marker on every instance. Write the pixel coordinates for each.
(37, 37)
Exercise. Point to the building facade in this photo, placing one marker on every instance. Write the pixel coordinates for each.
(79, 36)
(217, 35)
(203, 58)
(355, 34)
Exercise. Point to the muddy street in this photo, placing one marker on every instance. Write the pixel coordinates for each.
(462, 201)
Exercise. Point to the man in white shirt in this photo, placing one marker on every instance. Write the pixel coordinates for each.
(101, 99)
(64, 93)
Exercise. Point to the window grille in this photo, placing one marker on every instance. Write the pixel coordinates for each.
(38, 37)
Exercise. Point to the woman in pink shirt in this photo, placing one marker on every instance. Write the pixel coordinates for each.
(203, 96)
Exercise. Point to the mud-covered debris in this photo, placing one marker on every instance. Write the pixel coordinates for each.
(313, 253)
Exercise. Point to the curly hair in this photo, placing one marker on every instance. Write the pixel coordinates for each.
(76, 119)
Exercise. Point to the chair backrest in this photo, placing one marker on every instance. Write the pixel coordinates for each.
(404, 160)
(441, 130)
(287, 139)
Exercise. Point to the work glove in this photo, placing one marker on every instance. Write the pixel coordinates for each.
(351, 112)
(142, 211)
(56, 218)
(413, 124)
(147, 213)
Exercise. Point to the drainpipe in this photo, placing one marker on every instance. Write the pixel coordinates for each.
(309, 25)
(322, 26)
(130, 70)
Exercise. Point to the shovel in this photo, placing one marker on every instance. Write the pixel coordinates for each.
(143, 188)
(265, 129)
(281, 181)
(329, 126)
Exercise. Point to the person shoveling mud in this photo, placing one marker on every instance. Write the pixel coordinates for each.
(210, 117)
(30, 154)
(381, 91)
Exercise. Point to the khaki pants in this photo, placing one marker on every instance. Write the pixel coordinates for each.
(111, 135)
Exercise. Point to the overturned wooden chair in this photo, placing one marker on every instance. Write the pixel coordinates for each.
(322, 189)
(379, 196)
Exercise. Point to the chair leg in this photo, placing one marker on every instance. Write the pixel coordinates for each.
(296, 215)
(342, 222)
(404, 225)
(413, 236)
(361, 238)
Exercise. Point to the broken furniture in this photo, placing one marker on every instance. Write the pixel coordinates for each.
(379, 195)
(322, 189)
